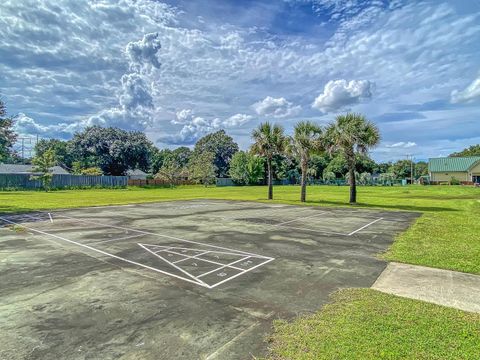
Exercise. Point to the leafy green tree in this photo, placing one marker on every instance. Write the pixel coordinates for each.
(7, 135)
(365, 178)
(202, 169)
(78, 170)
(305, 142)
(246, 168)
(255, 169)
(222, 146)
(382, 168)
(338, 164)
(171, 172)
(473, 150)
(328, 176)
(43, 168)
(182, 155)
(351, 134)
(269, 140)
(285, 166)
(158, 158)
(402, 168)
(113, 150)
(421, 168)
(318, 163)
(238, 168)
(61, 148)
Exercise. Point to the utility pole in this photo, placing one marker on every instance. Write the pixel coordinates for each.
(22, 151)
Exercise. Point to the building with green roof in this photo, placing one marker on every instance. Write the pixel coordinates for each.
(464, 169)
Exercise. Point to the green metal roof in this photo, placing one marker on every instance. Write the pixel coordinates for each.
(452, 163)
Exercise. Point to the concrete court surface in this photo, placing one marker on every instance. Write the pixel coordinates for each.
(199, 279)
(442, 287)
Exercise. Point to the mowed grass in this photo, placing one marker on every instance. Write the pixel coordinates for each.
(446, 236)
(367, 324)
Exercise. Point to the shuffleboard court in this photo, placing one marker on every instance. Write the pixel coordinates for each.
(186, 279)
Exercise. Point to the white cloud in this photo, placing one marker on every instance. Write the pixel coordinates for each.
(195, 127)
(402, 144)
(135, 92)
(128, 119)
(339, 94)
(236, 120)
(276, 107)
(183, 116)
(468, 95)
(144, 52)
(25, 125)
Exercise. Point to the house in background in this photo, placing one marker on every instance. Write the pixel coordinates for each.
(464, 169)
(136, 174)
(28, 169)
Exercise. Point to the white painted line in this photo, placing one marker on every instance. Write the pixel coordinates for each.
(241, 273)
(175, 266)
(217, 252)
(298, 219)
(264, 223)
(108, 254)
(224, 266)
(317, 231)
(116, 239)
(188, 256)
(161, 235)
(364, 226)
(192, 257)
(50, 216)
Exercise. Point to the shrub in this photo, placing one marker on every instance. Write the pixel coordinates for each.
(454, 181)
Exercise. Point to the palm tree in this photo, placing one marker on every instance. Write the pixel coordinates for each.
(352, 134)
(269, 141)
(306, 141)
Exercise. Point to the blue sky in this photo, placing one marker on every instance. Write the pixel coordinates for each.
(180, 69)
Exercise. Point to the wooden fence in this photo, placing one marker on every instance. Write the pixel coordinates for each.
(158, 182)
(23, 181)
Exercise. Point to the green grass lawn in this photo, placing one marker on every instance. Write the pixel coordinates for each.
(367, 324)
(446, 236)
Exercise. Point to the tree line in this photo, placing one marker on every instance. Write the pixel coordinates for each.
(336, 151)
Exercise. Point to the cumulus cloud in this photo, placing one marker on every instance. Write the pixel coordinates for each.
(276, 107)
(135, 92)
(402, 144)
(468, 95)
(236, 120)
(25, 125)
(183, 116)
(195, 127)
(129, 119)
(136, 106)
(144, 52)
(339, 94)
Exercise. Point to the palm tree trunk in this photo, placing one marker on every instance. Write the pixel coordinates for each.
(353, 185)
(303, 194)
(270, 182)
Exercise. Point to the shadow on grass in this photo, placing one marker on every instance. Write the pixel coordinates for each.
(384, 206)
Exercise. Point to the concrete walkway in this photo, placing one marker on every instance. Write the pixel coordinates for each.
(443, 287)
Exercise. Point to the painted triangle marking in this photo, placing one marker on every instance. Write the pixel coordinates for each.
(175, 266)
(231, 252)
